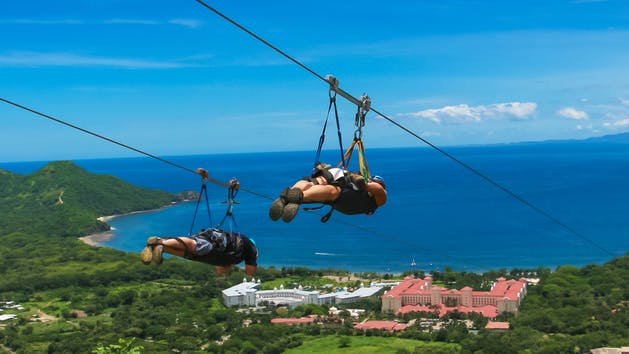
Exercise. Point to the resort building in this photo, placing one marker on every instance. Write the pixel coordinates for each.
(389, 326)
(243, 294)
(248, 294)
(294, 321)
(497, 326)
(288, 297)
(413, 295)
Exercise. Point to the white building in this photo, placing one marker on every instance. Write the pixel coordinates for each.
(247, 294)
(243, 294)
(288, 297)
(7, 317)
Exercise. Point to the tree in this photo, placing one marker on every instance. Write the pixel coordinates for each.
(123, 347)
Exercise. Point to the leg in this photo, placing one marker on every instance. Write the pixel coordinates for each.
(303, 185)
(321, 193)
(177, 248)
(156, 246)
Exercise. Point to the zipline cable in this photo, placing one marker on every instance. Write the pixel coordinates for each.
(217, 182)
(100, 136)
(354, 100)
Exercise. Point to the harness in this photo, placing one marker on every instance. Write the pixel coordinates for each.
(225, 243)
(352, 200)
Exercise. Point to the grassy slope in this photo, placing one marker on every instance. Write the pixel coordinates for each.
(366, 345)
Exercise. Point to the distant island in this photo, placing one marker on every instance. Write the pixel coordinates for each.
(58, 295)
(621, 138)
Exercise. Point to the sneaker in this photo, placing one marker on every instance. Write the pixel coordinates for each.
(295, 195)
(152, 241)
(277, 207)
(157, 254)
(290, 211)
(147, 255)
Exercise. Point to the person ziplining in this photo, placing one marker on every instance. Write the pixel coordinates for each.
(214, 246)
(348, 192)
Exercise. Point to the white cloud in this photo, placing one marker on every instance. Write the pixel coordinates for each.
(464, 113)
(186, 22)
(624, 101)
(33, 59)
(572, 113)
(617, 124)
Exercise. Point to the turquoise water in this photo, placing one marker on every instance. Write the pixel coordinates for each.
(438, 213)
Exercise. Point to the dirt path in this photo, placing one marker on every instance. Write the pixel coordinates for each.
(44, 317)
(6, 350)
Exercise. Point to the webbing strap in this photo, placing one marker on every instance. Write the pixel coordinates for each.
(325, 126)
(362, 158)
(202, 194)
(232, 191)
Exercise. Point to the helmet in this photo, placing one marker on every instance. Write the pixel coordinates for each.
(378, 180)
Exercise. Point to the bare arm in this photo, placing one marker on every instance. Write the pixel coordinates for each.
(378, 193)
(250, 270)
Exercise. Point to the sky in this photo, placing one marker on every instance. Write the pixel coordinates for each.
(172, 78)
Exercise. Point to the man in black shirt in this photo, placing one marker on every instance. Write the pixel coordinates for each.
(217, 247)
(345, 191)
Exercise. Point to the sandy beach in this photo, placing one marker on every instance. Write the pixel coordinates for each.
(96, 239)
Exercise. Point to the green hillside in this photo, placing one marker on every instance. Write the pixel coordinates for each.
(63, 199)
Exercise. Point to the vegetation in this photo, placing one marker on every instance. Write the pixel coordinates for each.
(363, 344)
(63, 199)
(81, 299)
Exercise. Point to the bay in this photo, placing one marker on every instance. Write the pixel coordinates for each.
(438, 214)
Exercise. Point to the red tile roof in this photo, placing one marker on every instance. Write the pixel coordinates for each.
(487, 310)
(497, 325)
(510, 289)
(383, 325)
(293, 321)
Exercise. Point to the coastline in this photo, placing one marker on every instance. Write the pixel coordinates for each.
(96, 240)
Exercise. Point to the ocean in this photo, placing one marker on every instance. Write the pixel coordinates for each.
(438, 213)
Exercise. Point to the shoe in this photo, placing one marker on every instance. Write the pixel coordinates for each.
(277, 207)
(147, 255)
(152, 241)
(158, 254)
(290, 211)
(295, 195)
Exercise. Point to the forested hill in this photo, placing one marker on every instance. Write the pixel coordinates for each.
(62, 199)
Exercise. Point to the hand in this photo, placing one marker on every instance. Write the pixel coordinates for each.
(203, 172)
(322, 166)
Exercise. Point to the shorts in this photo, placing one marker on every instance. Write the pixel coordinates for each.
(204, 246)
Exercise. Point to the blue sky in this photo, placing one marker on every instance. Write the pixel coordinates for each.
(172, 78)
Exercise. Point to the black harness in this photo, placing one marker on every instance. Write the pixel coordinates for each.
(227, 248)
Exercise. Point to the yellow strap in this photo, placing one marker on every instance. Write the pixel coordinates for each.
(362, 159)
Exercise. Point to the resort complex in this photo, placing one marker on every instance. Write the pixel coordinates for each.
(248, 294)
(420, 295)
